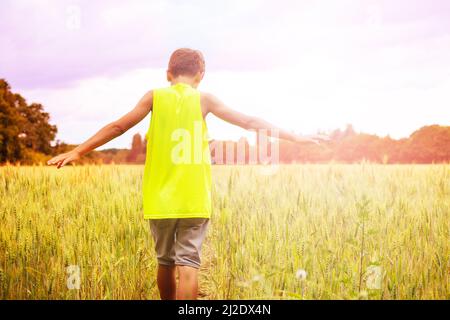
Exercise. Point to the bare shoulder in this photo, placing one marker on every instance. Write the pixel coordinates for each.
(210, 99)
(147, 100)
(207, 101)
(148, 95)
(206, 97)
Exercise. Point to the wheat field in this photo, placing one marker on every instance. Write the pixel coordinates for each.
(332, 231)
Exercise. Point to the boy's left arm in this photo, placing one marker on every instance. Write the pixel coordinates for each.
(108, 132)
(219, 109)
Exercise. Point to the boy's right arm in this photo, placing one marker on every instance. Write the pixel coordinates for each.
(108, 132)
(212, 104)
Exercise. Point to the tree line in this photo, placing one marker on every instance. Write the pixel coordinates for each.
(27, 137)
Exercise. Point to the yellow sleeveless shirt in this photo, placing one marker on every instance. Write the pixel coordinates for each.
(177, 172)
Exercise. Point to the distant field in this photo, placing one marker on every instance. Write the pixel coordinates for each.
(303, 231)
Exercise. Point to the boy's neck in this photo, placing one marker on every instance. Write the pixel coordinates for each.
(185, 79)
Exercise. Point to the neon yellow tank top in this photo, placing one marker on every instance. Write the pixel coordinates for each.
(177, 173)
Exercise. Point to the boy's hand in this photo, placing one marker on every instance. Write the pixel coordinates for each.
(315, 138)
(64, 158)
(318, 138)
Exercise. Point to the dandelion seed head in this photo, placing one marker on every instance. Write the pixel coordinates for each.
(257, 278)
(301, 274)
(374, 277)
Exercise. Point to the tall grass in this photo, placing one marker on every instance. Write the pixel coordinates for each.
(333, 221)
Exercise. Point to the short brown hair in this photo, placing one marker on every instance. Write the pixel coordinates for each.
(187, 62)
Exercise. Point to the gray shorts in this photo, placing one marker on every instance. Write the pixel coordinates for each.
(179, 241)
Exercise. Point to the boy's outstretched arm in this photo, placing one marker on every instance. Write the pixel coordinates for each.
(108, 132)
(212, 104)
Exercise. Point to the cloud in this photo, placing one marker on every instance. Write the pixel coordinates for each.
(52, 43)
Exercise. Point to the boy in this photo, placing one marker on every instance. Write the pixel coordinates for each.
(177, 175)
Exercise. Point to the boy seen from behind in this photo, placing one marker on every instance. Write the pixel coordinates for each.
(177, 172)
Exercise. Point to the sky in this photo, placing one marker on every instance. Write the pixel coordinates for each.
(306, 66)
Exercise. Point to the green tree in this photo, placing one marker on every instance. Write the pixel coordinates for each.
(38, 132)
(23, 128)
(428, 144)
(11, 122)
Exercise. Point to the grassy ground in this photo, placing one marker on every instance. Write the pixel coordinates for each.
(301, 231)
